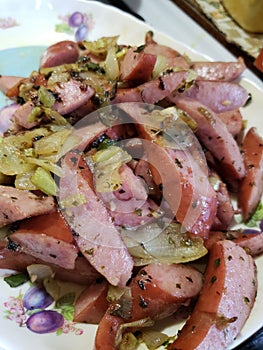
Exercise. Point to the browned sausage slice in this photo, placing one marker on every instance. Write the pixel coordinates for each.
(225, 210)
(72, 96)
(136, 67)
(220, 71)
(225, 301)
(219, 96)
(152, 91)
(252, 242)
(213, 134)
(157, 292)
(18, 204)
(60, 53)
(252, 186)
(47, 248)
(95, 233)
(47, 237)
(20, 116)
(83, 273)
(233, 121)
(172, 57)
(8, 82)
(92, 303)
(181, 174)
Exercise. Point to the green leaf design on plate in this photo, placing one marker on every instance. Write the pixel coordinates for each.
(66, 305)
(17, 279)
(64, 28)
(67, 312)
(59, 331)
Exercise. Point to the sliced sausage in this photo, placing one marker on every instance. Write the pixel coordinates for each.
(172, 57)
(47, 237)
(143, 170)
(152, 91)
(156, 292)
(20, 116)
(8, 82)
(252, 242)
(95, 234)
(52, 224)
(46, 248)
(71, 96)
(158, 49)
(129, 206)
(220, 71)
(6, 114)
(251, 188)
(225, 210)
(18, 204)
(213, 134)
(136, 67)
(233, 121)
(60, 53)
(259, 61)
(83, 273)
(180, 174)
(92, 304)
(225, 301)
(218, 96)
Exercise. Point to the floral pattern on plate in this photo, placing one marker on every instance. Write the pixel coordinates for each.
(78, 24)
(31, 310)
(8, 22)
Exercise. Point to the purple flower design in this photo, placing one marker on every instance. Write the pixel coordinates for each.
(78, 24)
(8, 22)
(37, 318)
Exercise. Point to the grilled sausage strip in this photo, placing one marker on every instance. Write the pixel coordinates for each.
(225, 301)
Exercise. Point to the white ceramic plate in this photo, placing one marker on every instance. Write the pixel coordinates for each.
(25, 29)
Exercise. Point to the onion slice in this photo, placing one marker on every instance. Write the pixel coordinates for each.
(150, 243)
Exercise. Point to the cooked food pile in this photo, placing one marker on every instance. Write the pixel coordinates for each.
(123, 169)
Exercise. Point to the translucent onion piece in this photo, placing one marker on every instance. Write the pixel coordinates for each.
(43, 180)
(26, 139)
(59, 289)
(145, 322)
(168, 246)
(14, 151)
(153, 339)
(121, 298)
(101, 46)
(46, 98)
(169, 130)
(38, 272)
(47, 165)
(23, 182)
(52, 143)
(106, 168)
(160, 66)
(111, 64)
(58, 76)
(12, 161)
(129, 342)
